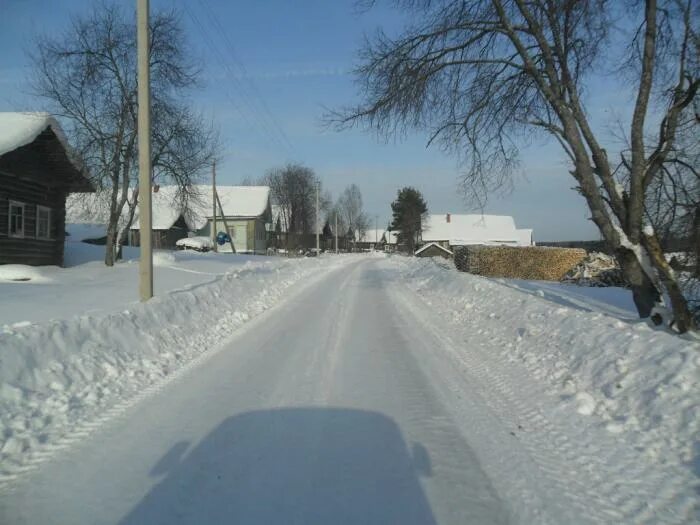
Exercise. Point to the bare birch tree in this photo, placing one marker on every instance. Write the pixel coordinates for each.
(89, 76)
(293, 190)
(354, 220)
(479, 75)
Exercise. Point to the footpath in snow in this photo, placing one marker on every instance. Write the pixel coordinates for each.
(63, 373)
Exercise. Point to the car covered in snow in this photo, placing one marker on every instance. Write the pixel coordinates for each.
(199, 244)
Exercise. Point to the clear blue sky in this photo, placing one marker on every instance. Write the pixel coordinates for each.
(271, 66)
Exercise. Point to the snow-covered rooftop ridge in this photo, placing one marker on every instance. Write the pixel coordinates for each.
(18, 129)
(463, 229)
(425, 247)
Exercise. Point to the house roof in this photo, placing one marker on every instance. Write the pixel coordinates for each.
(18, 129)
(470, 229)
(169, 204)
(436, 245)
(196, 207)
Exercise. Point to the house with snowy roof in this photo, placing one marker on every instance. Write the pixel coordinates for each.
(37, 170)
(245, 211)
(179, 214)
(449, 230)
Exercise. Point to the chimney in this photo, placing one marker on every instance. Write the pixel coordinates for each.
(448, 218)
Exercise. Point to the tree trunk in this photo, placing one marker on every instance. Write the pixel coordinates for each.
(696, 239)
(681, 313)
(109, 245)
(644, 292)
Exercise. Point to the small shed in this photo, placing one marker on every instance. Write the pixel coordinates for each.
(433, 249)
(37, 171)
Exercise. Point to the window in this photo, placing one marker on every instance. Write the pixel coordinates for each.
(16, 219)
(43, 222)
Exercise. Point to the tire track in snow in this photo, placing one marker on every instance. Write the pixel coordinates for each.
(596, 491)
(553, 456)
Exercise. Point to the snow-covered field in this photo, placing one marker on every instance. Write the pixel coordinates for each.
(88, 287)
(425, 394)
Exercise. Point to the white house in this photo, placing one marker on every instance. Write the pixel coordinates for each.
(246, 209)
(449, 230)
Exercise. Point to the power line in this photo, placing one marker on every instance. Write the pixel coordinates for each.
(246, 77)
(258, 124)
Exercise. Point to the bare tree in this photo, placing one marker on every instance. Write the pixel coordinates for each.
(89, 75)
(352, 218)
(479, 75)
(293, 189)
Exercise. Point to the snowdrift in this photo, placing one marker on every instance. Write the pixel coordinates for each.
(638, 383)
(58, 375)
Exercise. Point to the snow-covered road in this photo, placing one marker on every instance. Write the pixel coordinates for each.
(342, 405)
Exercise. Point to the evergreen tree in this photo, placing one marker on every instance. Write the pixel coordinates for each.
(327, 232)
(408, 211)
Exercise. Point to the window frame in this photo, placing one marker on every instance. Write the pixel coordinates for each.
(16, 204)
(49, 211)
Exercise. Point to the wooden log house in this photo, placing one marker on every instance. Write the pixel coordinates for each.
(37, 171)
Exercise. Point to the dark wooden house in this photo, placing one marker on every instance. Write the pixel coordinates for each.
(37, 171)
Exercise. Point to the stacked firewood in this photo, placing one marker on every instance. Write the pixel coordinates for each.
(529, 262)
(597, 269)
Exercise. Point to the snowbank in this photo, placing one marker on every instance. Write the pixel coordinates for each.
(58, 375)
(638, 383)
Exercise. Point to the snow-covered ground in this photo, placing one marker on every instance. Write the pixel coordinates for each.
(610, 300)
(378, 390)
(88, 287)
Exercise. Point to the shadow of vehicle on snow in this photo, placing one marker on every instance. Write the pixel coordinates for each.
(292, 465)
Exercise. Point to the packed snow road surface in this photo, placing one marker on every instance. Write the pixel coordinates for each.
(353, 401)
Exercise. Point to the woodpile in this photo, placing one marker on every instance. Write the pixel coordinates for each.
(528, 262)
(597, 269)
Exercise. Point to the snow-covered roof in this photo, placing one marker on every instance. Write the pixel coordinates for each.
(18, 129)
(467, 229)
(169, 205)
(236, 201)
(436, 245)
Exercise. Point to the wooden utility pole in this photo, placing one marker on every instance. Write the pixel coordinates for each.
(144, 139)
(213, 202)
(318, 244)
(336, 232)
(376, 218)
(223, 218)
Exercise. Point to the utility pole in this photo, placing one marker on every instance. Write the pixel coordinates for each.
(376, 218)
(144, 139)
(213, 201)
(318, 245)
(336, 232)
